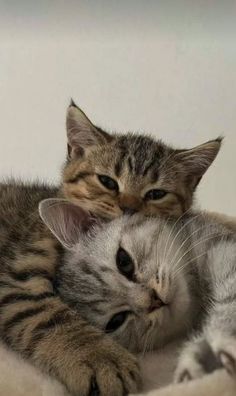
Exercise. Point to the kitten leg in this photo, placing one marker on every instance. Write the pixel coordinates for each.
(214, 348)
(59, 342)
(35, 323)
(196, 359)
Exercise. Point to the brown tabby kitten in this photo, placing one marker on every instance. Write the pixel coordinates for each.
(109, 175)
(33, 319)
(115, 174)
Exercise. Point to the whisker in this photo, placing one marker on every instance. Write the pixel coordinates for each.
(178, 270)
(172, 229)
(196, 244)
(181, 229)
(188, 238)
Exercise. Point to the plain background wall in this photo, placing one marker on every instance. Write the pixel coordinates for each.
(164, 67)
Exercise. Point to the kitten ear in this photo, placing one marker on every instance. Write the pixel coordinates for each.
(198, 159)
(65, 220)
(81, 133)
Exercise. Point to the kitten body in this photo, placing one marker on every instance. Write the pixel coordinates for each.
(109, 175)
(183, 277)
(33, 319)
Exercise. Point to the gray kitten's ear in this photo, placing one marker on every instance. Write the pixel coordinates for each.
(197, 160)
(81, 133)
(68, 222)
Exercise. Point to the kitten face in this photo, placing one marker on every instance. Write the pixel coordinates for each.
(124, 277)
(112, 175)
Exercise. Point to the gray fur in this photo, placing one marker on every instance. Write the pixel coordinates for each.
(190, 263)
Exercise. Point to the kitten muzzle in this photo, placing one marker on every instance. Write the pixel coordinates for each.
(156, 302)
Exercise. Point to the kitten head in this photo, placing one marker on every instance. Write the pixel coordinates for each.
(126, 276)
(115, 174)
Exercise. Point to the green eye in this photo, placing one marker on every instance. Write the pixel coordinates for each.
(125, 263)
(155, 195)
(116, 321)
(108, 182)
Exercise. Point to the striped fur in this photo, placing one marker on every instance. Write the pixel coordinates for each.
(33, 319)
(183, 277)
(137, 163)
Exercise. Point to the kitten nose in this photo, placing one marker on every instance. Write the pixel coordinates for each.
(155, 302)
(127, 210)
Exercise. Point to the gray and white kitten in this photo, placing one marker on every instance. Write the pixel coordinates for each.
(147, 280)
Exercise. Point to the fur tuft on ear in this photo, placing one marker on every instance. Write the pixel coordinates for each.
(68, 222)
(197, 160)
(81, 132)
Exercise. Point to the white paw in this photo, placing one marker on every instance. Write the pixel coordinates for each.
(196, 360)
(224, 346)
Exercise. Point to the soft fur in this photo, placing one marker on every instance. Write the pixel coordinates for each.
(181, 273)
(34, 320)
(137, 165)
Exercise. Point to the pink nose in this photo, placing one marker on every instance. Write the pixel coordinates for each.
(155, 302)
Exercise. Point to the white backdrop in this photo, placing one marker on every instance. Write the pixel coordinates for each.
(164, 67)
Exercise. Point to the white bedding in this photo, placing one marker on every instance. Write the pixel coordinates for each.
(18, 378)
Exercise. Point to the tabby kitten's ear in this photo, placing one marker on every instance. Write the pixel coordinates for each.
(68, 222)
(197, 160)
(81, 132)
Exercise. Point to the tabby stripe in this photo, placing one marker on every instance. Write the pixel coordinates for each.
(28, 274)
(36, 251)
(41, 329)
(20, 316)
(7, 252)
(130, 164)
(120, 163)
(117, 169)
(99, 278)
(6, 284)
(149, 166)
(57, 318)
(15, 297)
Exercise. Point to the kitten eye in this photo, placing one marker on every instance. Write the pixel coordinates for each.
(154, 195)
(116, 321)
(108, 182)
(125, 263)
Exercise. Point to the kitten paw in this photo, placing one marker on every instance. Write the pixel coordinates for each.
(105, 368)
(225, 348)
(196, 360)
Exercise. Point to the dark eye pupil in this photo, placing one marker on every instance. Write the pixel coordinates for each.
(125, 263)
(108, 182)
(155, 194)
(116, 321)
